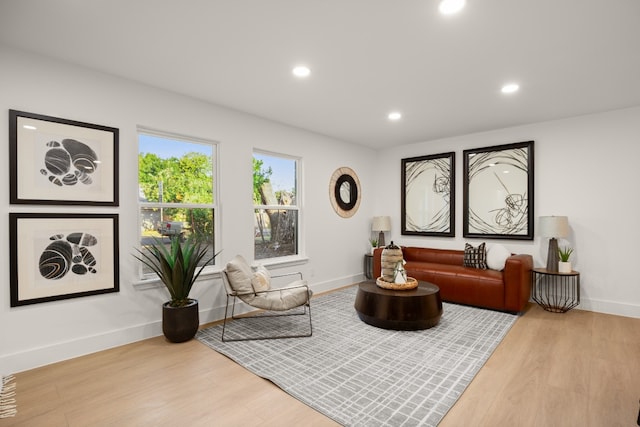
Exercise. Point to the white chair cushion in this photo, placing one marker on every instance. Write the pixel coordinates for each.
(261, 280)
(284, 299)
(239, 274)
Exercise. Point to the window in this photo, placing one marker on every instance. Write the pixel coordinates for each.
(176, 188)
(276, 205)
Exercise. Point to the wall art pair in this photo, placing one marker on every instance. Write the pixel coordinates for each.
(498, 190)
(56, 161)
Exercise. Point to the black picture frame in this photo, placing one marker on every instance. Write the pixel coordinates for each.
(428, 199)
(56, 256)
(56, 161)
(499, 204)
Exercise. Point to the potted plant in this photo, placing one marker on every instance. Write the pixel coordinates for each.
(374, 244)
(564, 265)
(177, 267)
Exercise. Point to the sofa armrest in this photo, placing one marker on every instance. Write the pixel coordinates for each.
(517, 282)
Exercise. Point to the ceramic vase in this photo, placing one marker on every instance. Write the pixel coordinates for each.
(564, 267)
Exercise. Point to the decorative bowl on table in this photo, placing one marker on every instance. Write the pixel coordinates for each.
(410, 284)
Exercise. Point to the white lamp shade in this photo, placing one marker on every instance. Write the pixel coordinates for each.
(381, 223)
(553, 226)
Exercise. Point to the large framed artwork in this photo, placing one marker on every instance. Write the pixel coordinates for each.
(498, 192)
(61, 256)
(56, 161)
(428, 195)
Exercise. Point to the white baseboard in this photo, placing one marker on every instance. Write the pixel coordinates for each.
(45, 355)
(609, 307)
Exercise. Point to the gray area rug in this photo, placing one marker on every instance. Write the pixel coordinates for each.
(360, 375)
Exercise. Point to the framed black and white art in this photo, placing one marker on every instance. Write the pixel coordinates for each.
(428, 195)
(498, 192)
(56, 161)
(61, 256)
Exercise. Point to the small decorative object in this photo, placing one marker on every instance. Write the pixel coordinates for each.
(177, 267)
(389, 258)
(399, 273)
(411, 284)
(392, 264)
(381, 224)
(374, 244)
(564, 265)
(553, 227)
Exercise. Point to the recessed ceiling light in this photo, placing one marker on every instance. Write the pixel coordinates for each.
(301, 71)
(394, 115)
(449, 7)
(510, 88)
(30, 127)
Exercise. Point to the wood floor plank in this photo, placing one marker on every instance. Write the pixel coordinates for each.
(574, 369)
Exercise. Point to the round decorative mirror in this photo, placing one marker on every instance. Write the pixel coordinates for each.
(344, 192)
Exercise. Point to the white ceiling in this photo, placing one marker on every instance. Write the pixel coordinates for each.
(367, 57)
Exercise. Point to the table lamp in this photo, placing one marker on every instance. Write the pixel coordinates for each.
(553, 227)
(381, 224)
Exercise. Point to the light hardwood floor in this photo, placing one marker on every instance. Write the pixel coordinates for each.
(574, 369)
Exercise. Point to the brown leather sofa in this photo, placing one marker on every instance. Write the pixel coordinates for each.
(508, 290)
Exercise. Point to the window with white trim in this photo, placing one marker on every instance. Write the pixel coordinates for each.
(176, 189)
(276, 204)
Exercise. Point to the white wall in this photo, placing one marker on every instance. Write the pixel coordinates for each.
(585, 168)
(593, 159)
(39, 334)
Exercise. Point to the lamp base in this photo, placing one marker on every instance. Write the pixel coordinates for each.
(381, 239)
(552, 255)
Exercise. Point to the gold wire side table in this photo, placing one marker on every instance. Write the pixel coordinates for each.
(555, 292)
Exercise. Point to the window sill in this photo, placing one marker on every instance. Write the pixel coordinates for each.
(216, 271)
(155, 282)
(281, 262)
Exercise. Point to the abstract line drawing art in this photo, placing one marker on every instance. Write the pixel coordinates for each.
(498, 192)
(56, 161)
(61, 256)
(428, 195)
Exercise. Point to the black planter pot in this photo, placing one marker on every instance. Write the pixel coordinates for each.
(180, 324)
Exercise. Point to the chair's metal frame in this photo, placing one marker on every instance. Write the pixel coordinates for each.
(233, 295)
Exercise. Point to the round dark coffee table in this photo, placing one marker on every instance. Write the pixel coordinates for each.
(419, 308)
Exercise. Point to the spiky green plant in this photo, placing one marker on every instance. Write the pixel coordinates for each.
(176, 266)
(565, 253)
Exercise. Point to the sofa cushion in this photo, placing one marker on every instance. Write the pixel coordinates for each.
(432, 272)
(475, 257)
(497, 257)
